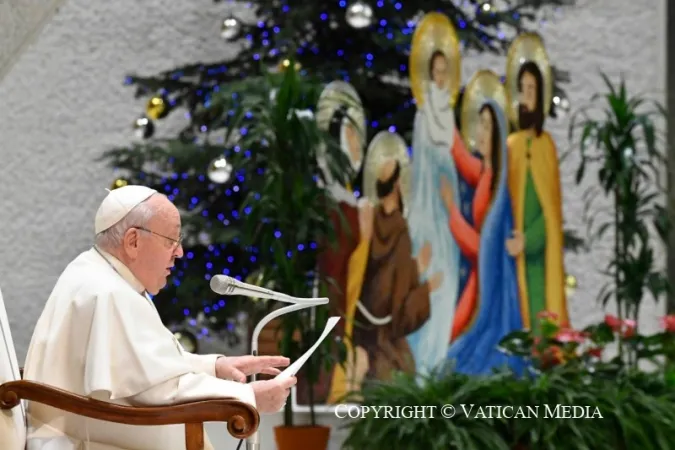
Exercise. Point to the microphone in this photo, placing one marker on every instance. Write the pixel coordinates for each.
(224, 285)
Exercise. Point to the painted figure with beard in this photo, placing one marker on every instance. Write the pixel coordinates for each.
(383, 274)
(435, 79)
(393, 301)
(534, 184)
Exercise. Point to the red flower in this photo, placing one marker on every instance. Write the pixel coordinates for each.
(668, 323)
(629, 327)
(613, 322)
(626, 327)
(570, 335)
(595, 351)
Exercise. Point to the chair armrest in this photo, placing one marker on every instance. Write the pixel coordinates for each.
(242, 419)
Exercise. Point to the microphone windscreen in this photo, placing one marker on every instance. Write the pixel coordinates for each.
(220, 284)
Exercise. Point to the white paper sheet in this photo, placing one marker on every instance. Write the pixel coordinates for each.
(297, 365)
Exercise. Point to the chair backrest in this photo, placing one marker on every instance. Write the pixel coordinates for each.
(13, 421)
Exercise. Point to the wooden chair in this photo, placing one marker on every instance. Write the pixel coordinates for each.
(242, 419)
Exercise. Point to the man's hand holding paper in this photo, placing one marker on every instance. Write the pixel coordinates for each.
(297, 365)
(237, 368)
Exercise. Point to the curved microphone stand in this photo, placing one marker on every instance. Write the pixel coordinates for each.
(253, 442)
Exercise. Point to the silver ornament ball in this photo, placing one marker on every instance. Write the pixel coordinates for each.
(230, 27)
(144, 127)
(562, 104)
(219, 170)
(359, 14)
(486, 7)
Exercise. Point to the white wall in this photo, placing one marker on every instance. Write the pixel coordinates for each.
(63, 103)
(20, 22)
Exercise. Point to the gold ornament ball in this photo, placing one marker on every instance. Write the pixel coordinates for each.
(286, 63)
(156, 107)
(118, 183)
(570, 284)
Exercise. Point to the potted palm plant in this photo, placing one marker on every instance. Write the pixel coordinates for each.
(617, 133)
(286, 217)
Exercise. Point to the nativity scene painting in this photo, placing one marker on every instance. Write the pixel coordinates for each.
(456, 241)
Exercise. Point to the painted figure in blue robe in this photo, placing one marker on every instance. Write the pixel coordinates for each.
(497, 307)
(434, 137)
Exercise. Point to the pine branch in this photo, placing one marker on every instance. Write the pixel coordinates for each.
(373, 59)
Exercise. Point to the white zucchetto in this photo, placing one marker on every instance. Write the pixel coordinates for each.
(117, 205)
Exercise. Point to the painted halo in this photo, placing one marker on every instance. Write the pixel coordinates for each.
(434, 32)
(385, 146)
(527, 47)
(484, 85)
(339, 101)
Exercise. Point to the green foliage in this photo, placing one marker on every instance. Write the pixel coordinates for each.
(286, 213)
(636, 412)
(617, 133)
(583, 350)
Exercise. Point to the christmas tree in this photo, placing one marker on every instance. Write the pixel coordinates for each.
(365, 43)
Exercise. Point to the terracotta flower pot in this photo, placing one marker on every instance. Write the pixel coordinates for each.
(304, 437)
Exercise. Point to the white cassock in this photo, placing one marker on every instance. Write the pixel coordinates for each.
(100, 336)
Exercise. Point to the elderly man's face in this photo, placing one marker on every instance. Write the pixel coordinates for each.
(155, 251)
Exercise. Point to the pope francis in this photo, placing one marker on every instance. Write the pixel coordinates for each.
(100, 336)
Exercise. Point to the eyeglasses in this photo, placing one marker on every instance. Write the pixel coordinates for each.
(175, 242)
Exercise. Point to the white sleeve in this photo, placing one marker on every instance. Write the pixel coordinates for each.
(193, 387)
(202, 363)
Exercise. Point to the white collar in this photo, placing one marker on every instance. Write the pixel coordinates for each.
(122, 270)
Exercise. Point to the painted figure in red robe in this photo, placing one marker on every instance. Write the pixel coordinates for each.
(478, 173)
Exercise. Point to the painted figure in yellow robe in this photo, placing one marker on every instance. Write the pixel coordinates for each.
(534, 185)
